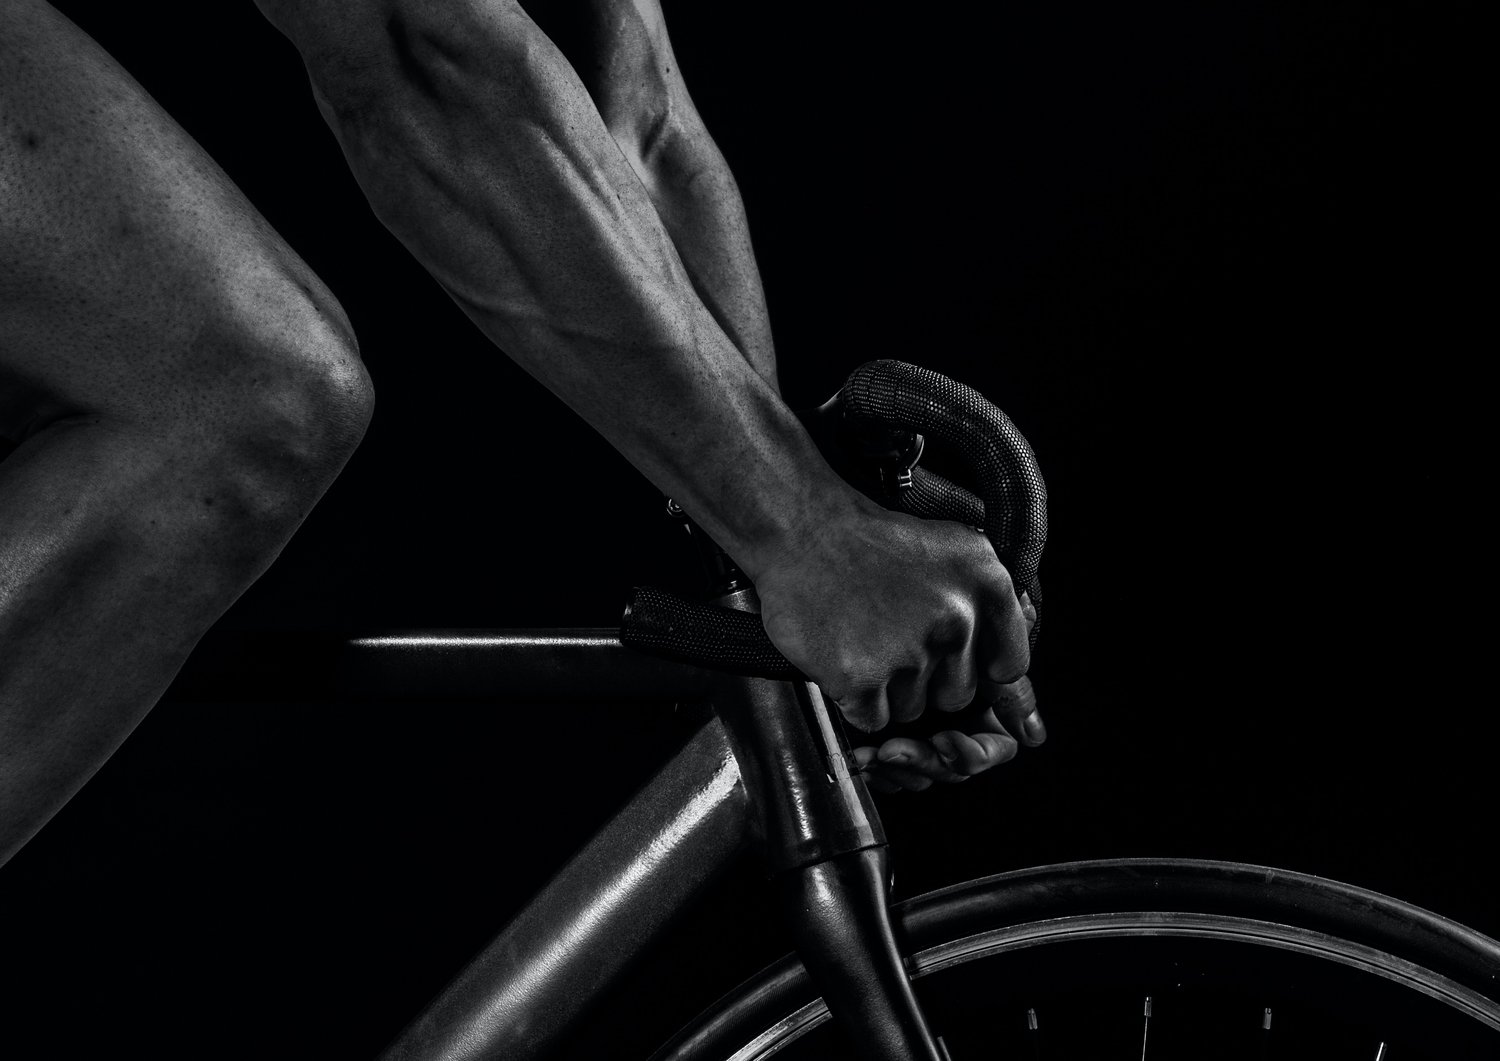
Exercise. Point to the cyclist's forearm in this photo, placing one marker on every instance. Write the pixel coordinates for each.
(699, 203)
(623, 53)
(484, 154)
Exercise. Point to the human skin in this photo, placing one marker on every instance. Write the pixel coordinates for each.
(181, 389)
(556, 214)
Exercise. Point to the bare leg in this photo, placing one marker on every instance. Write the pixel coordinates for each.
(182, 389)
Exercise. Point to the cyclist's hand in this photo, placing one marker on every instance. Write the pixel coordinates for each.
(957, 754)
(893, 615)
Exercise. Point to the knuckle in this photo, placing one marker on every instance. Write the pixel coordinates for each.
(859, 673)
(953, 697)
(1007, 673)
(1016, 699)
(997, 751)
(1001, 581)
(1010, 667)
(863, 717)
(953, 625)
(846, 686)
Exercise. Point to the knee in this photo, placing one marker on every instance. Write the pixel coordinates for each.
(305, 399)
(285, 402)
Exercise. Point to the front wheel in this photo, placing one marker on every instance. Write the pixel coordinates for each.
(1156, 959)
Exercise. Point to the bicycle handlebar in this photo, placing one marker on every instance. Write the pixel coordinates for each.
(881, 397)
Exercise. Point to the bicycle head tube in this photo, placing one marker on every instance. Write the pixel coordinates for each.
(825, 851)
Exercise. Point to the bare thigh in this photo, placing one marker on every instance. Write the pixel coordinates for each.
(135, 280)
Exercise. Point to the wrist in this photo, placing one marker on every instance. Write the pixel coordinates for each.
(797, 515)
(717, 438)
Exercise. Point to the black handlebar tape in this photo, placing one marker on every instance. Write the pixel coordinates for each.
(663, 624)
(1011, 508)
(933, 497)
(885, 394)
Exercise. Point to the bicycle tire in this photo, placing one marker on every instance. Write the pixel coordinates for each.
(1405, 963)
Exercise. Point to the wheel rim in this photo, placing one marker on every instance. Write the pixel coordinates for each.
(1144, 924)
(1332, 922)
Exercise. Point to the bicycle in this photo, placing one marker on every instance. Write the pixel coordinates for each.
(1255, 943)
(1049, 962)
(1167, 950)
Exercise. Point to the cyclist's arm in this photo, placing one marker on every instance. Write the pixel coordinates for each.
(480, 149)
(622, 53)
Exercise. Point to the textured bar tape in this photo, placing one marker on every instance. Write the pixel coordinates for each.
(895, 394)
(663, 624)
(1010, 507)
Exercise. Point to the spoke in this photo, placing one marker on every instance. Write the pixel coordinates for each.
(1036, 1035)
(1265, 1035)
(1380, 1052)
(943, 1049)
(1145, 1027)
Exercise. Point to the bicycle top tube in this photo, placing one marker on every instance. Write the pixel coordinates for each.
(552, 664)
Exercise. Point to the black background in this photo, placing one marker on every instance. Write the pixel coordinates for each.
(1221, 265)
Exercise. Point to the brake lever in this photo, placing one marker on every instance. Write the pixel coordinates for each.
(878, 461)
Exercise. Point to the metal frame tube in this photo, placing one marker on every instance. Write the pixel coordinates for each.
(518, 997)
(525, 665)
(820, 834)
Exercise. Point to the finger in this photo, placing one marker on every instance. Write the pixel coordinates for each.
(1028, 612)
(865, 707)
(907, 692)
(974, 753)
(1004, 638)
(1015, 706)
(955, 680)
(890, 777)
(915, 756)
